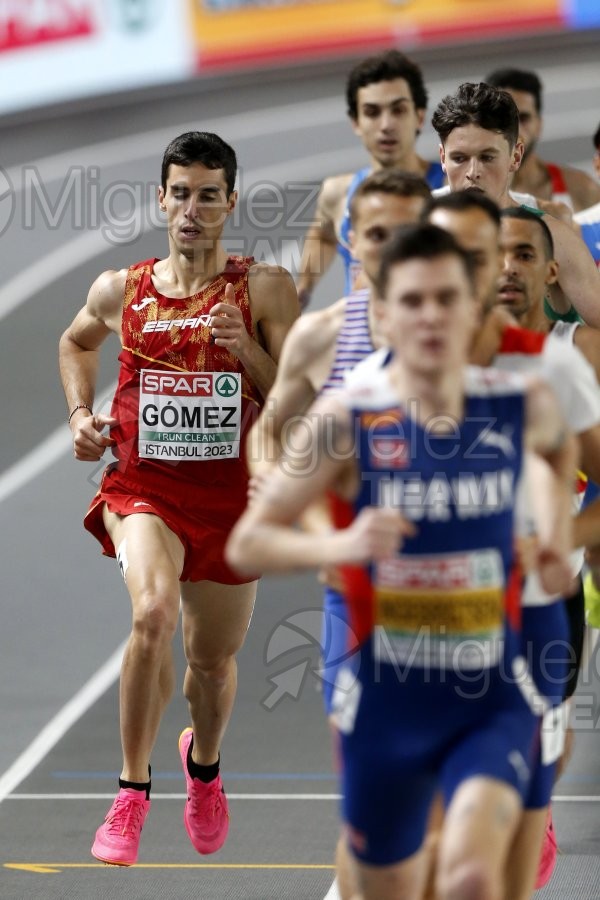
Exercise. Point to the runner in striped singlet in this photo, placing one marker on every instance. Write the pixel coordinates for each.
(353, 341)
(322, 346)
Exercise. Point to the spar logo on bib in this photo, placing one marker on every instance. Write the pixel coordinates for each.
(225, 386)
(184, 384)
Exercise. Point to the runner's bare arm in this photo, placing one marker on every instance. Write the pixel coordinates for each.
(547, 435)
(561, 211)
(489, 336)
(583, 189)
(293, 390)
(579, 277)
(275, 308)
(79, 354)
(320, 241)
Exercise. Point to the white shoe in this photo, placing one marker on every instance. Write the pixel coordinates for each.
(333, 892)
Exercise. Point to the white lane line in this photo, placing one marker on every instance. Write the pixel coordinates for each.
(58, 726)
(79, 250)
(69, 256)
(156, 796)
(149, 144)
(574, 798)
(35, 462)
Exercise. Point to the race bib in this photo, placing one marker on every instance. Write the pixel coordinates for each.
(444, 611)
(191, 416)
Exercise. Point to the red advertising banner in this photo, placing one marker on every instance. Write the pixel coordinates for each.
(242, 32)
(28, 23)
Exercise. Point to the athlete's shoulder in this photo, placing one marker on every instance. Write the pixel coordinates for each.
(106, 293)
(257, 269)
(271, 281)
(584, 190)
(319, 329)
(334, 188)
(556, 210)
(313, 335)
(105, 298)
(273, 285)
(111, 279)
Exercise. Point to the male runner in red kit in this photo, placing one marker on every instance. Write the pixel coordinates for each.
(200, 336)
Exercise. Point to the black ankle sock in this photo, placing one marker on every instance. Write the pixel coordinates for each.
(203, 773)
(138, 786)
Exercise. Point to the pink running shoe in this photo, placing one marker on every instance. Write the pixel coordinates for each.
(118, 840)
(206, 814)
(548, 854)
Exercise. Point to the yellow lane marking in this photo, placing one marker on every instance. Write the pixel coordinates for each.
(51, 868)
(30, 867)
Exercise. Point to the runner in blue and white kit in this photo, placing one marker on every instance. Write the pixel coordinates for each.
(435, 612)
(386, 102)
